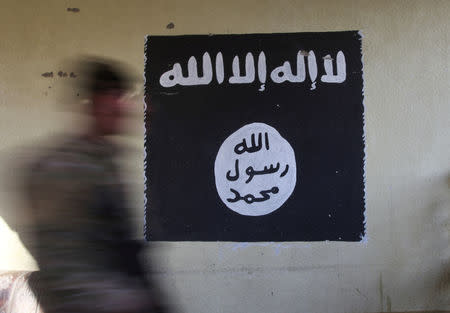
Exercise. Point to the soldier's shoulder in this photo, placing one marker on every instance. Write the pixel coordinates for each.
(65, 156)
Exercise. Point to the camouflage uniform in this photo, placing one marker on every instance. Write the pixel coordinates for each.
(88, 263)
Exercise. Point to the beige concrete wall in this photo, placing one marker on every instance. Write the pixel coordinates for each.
(404, 265)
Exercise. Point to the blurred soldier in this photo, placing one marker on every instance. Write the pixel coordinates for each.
(88, 261)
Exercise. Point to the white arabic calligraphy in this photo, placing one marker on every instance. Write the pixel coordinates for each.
(219, 68)
(341, 69)
(175, 75)
(249, 76)
(255, 170)
(278, 75)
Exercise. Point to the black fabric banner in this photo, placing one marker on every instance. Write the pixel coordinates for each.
(255, 137)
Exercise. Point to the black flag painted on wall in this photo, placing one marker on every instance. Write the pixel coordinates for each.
(254, 137)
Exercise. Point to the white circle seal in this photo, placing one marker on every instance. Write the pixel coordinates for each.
(255, 170)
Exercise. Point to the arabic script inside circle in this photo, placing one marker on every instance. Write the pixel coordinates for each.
(255, 170)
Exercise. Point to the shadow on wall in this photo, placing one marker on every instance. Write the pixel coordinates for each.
(420, 274)
(441, 219)
(431, 255)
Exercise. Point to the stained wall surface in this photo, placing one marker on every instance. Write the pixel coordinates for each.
(403, 264)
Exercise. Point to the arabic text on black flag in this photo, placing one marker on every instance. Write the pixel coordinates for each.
(254, 137)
